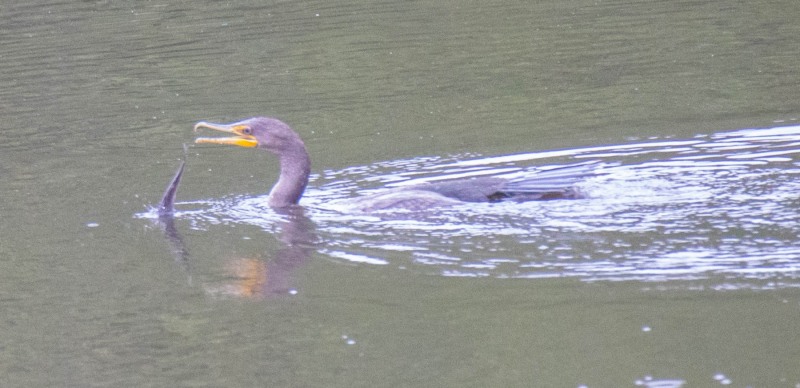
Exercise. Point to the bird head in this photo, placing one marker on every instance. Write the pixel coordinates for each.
(261, 132)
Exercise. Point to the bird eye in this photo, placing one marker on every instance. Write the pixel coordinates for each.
(247, 131)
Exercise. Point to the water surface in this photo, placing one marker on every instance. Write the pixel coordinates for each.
(679, 269)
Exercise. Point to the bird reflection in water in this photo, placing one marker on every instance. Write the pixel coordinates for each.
(258, 277)
(254, 277)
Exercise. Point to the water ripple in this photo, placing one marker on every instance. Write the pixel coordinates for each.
(721, 207)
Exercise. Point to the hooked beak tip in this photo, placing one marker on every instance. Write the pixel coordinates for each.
(201, 124)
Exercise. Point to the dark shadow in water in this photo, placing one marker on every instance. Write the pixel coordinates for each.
(254, 277)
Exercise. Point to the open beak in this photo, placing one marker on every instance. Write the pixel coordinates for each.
(243, 137)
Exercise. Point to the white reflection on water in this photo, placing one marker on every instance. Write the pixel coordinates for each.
(650, 382)
(724, 206)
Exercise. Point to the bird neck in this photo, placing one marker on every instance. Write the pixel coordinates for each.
(295, 169)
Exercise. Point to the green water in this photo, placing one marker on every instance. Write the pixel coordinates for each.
(98, 97)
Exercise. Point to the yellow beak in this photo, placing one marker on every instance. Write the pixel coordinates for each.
(243, 137)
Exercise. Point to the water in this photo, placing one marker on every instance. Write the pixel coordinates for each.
(719, 207)
(678, 269)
